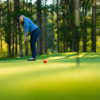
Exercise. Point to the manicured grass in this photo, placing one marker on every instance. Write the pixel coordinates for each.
(60, 79)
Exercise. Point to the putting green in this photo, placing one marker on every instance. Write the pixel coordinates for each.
(60, 79)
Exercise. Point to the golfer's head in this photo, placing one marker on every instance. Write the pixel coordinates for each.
(20, 19)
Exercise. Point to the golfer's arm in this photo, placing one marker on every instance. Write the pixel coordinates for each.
(26, 29)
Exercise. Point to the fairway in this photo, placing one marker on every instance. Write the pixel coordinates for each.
(60, 79)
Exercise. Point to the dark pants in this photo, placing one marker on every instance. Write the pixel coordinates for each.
(34, 36)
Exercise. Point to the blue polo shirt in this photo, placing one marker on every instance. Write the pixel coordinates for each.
(29, 26)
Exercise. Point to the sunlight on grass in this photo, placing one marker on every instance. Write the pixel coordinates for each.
(81, 55)
(92, 56)
(30, 68)
(59, 79)
(56, 58)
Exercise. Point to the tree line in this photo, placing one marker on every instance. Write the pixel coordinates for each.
(66, 25)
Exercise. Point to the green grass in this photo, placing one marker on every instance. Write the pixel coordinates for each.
(60, 79)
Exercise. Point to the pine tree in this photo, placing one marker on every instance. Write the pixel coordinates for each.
(39, 21)
(93, 25)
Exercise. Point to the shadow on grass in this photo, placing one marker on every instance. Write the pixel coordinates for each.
(39, 57)
(62, 58)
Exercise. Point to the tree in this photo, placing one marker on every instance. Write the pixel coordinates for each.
(23, 4)
(16, 36)
(0, 24)
(39, 21)
(12, 29)
(72, 26)
(53, 24)
(26, 43)
(85, 8)
(44, 27)
(58, 34)
(93, 25)
(77, 24)
(19, 30)
(59, 23)
(8, 34)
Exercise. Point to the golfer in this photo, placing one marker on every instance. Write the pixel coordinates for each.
(30, 27)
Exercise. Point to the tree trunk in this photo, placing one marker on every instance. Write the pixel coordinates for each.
(12, 44)
(94, 26)
(77, 16)
(16, 49)
(53, 48)
(39, 20)
(23, 4)
(64, 46)
(84, 31)
(27, 8)
(20, 41)
(19, 30)
(85, 39)
(45, 28)
(77, 24)
(12, 31)
(31, 6)
(1, 43)
(26, 48)
(72, 26)
(1, 40)
(9, 29)
(16, 36)
(58, 36)
(85, 26)
(0, 24)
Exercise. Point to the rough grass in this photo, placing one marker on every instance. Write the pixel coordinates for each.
(60, 79)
